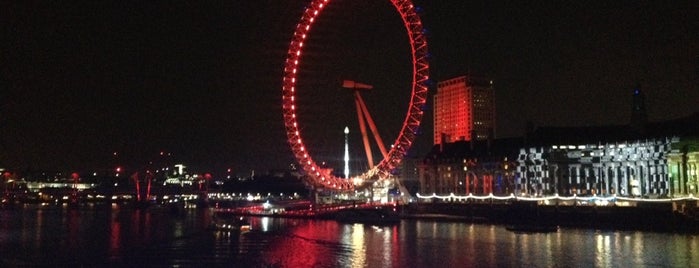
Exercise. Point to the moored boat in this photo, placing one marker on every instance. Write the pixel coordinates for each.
(235, 223)
(532, 228)
(374, 216)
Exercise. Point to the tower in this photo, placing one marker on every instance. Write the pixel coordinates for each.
(639, 117)
(464, 109)
(346, 154)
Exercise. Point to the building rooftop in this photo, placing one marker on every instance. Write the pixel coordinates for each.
(685, 126)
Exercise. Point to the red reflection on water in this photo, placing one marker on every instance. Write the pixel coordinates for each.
(140, 233)
(308, 244)
(136, 227)
(39, 225)
(395, 248)
(74, 228)
(147, 226)
(115, 238)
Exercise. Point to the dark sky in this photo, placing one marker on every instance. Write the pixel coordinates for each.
(202, 80)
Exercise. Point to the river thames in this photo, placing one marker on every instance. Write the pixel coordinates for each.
(124, 237)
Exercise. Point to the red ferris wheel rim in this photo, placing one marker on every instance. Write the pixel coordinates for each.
(407, 134)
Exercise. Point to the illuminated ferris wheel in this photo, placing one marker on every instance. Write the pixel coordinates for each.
(322, 177)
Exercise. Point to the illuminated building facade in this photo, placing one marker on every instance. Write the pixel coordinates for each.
(470, 168)
(683, 168)
(464, 109)
(628, 169)
(588, 164)
(638, 161)
(646, 169)
(658, 168)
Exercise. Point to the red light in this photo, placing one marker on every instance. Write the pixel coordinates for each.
(118, 169)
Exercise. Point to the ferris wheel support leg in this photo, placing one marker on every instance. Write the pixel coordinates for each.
(372, 126)
(362, 127)
(404, 194)
(313, 198)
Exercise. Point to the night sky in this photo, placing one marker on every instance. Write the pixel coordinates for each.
(202, 80)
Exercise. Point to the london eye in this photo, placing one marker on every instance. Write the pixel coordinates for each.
(317, 174)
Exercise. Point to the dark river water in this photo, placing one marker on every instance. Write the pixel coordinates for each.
(119, 237)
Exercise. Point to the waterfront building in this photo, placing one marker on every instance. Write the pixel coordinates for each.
(629, 169)
(479, 168)
(464, 109)
(409, 173)
(568, 165)
(683, 168)
(638, 160)
(654, 168)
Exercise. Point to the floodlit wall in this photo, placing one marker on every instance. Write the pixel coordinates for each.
(683, 161)
(643, 169)
(627, 169)
(467, 176)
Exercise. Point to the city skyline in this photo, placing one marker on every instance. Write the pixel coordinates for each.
(203, 82)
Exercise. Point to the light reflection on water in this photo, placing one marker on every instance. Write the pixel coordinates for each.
(115, 236)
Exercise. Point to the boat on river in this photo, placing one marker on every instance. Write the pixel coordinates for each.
(532, 228)
(373, 216)
(229, 223)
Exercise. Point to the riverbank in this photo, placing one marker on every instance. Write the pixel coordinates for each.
(647, 217)
(658, 217)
